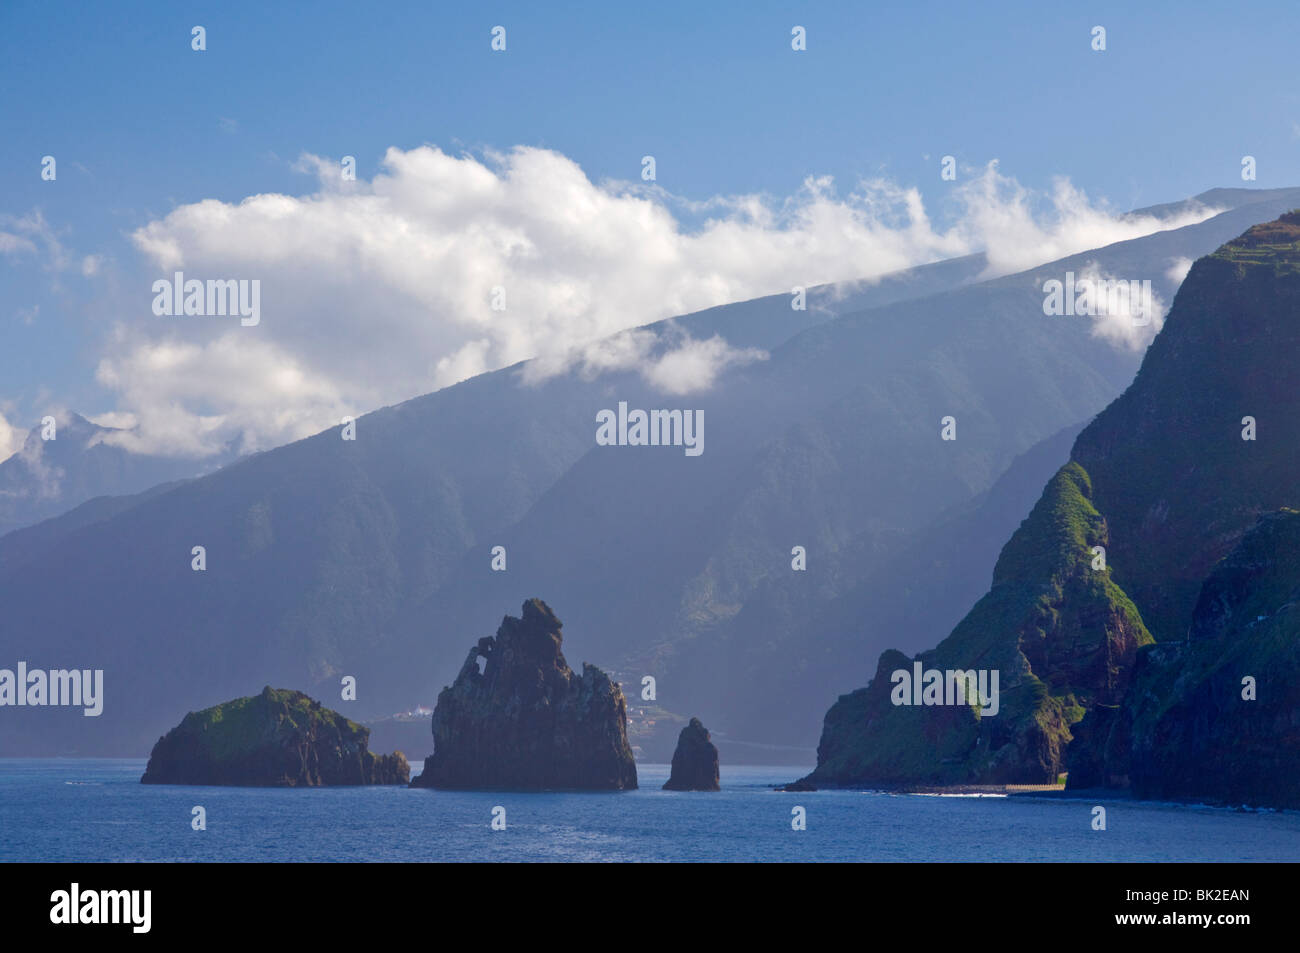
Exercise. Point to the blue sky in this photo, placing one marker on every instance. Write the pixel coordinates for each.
(140, 124)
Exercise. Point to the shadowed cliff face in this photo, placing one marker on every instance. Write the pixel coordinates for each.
(279, 738)
(1176, 482)
(1218, 717)
(526, 721)
(1165, 482)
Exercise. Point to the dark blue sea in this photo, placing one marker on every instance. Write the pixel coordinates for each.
(96, 810)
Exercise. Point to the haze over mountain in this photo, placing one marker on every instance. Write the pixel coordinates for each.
(372, 557)
(80, 461)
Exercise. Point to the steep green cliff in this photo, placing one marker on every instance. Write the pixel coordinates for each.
(1168, 479)
(1061, 636)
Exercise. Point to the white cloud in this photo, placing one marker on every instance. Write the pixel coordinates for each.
(259, 389)
(22, 233)
(1178, 269)
(11, 439)
(11, 244)
(670, 360)
(1124, 315)
(115, 419)
(469, 361)
(376, 291)
(1019, 229)
(694, 365)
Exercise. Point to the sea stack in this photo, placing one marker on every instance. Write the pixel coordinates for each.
(280, 738)
(527, 722)
(695, 762)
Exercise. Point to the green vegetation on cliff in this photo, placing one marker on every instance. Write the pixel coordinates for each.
(279, 738)
(1215, 717)
(1060, 634)
(1170, 479)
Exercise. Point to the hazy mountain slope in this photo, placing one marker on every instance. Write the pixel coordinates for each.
(785, 642)
(314, 546)
(1225, 199)
(30, 542)
(48, 477)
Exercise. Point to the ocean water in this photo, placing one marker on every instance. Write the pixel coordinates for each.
(96, 810)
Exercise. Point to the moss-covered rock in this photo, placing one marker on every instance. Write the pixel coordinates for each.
(280, 738)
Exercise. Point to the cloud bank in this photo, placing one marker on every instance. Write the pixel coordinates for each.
(442, 267)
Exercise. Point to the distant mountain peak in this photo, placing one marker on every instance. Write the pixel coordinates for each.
(53, 473)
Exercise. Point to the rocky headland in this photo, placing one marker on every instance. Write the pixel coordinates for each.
(1143, 617)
